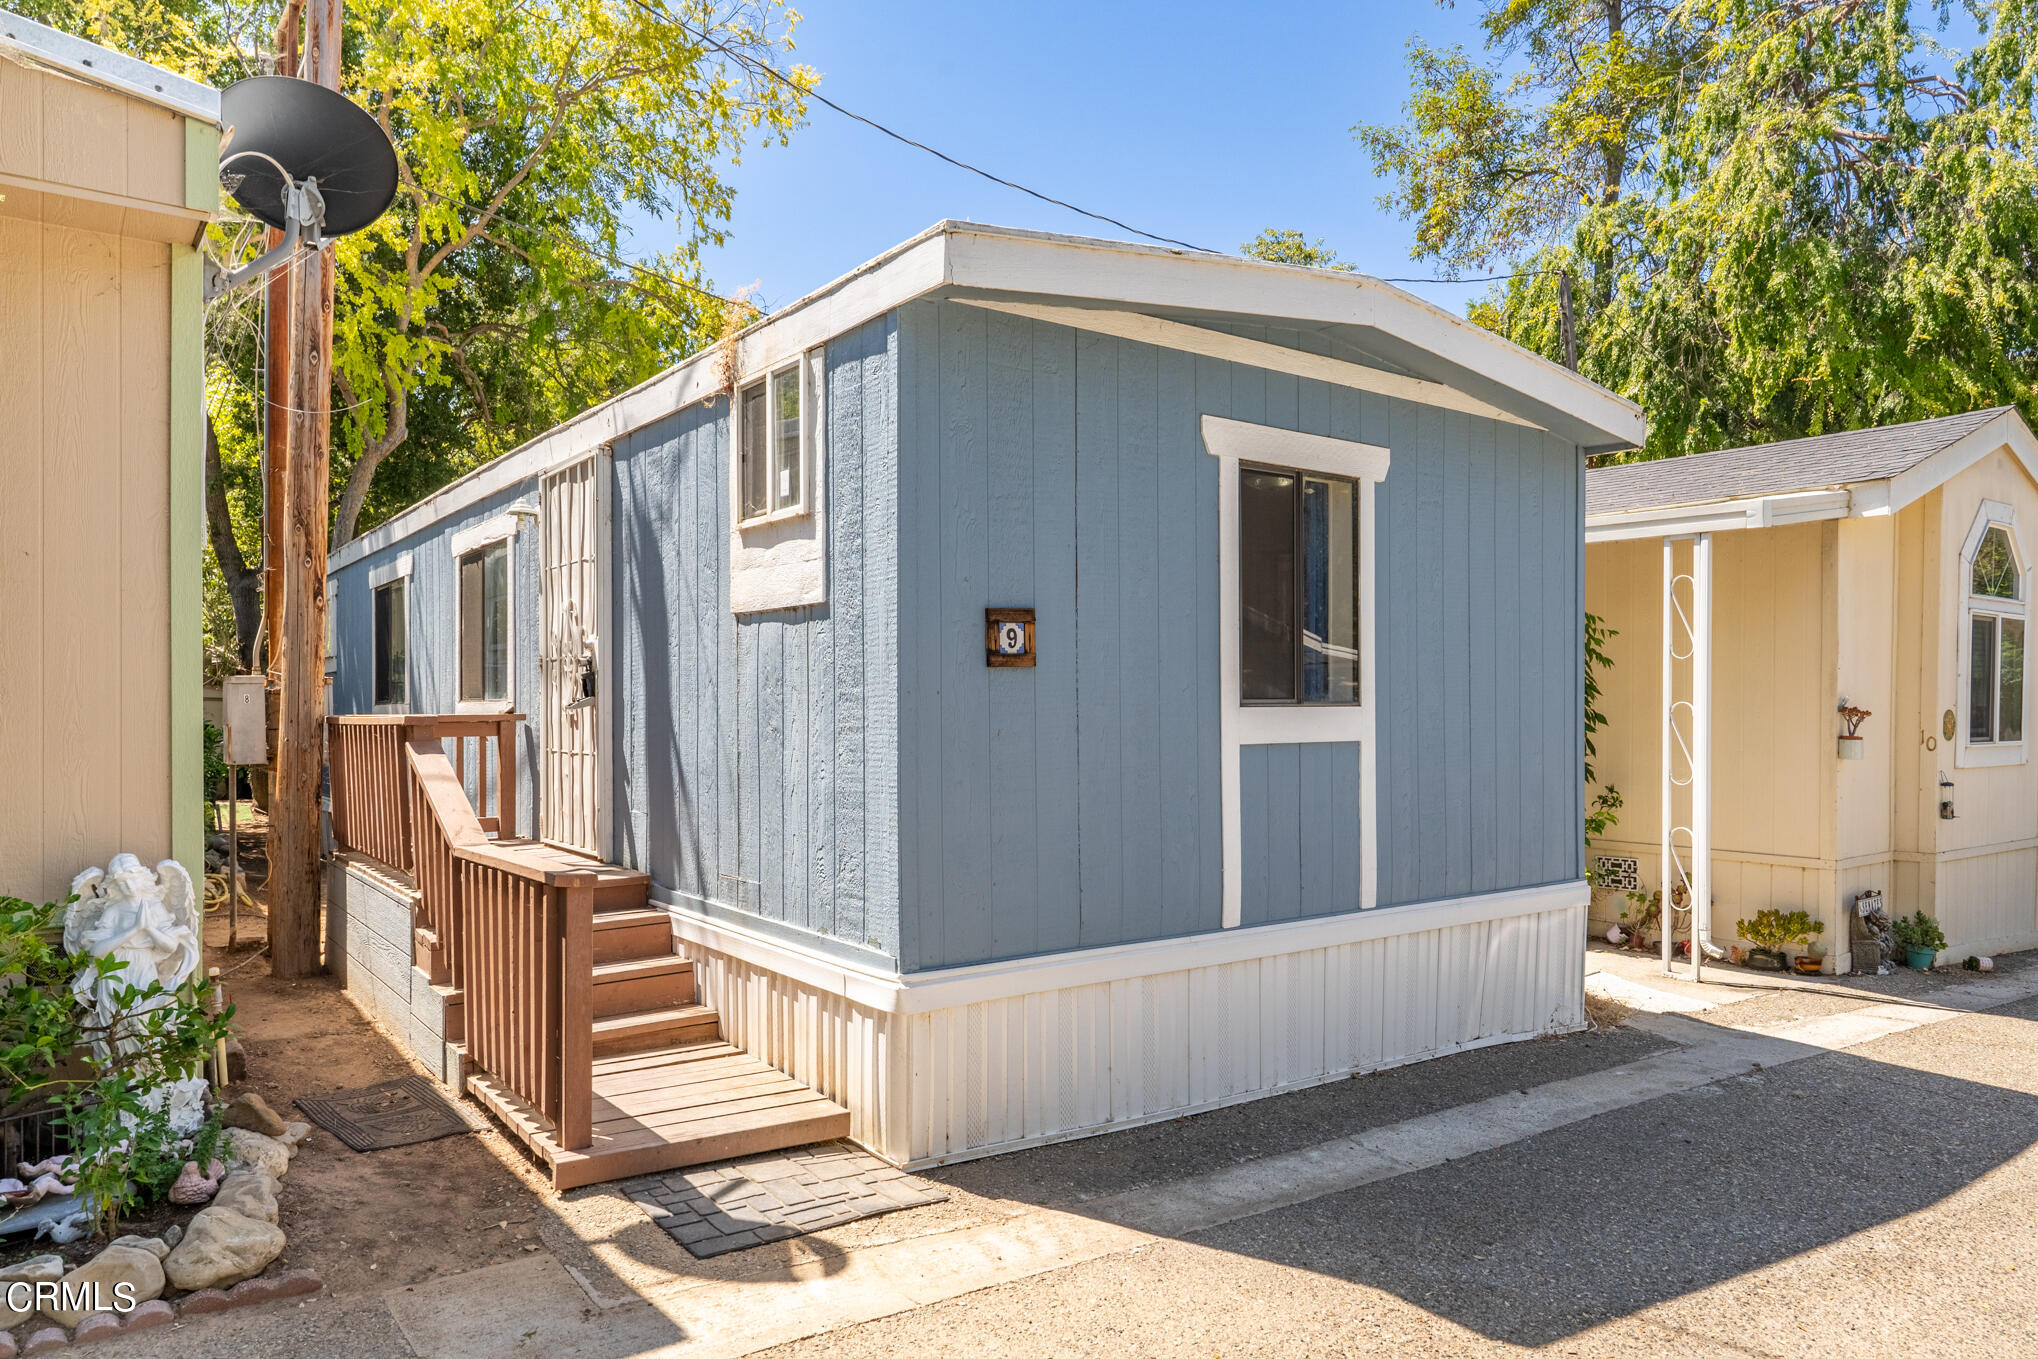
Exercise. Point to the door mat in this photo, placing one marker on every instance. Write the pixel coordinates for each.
(392, 1114)
(715, 1209)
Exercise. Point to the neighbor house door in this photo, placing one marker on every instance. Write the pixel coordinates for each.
(573, 603)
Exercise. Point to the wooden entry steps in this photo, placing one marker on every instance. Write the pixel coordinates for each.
(668, 1092)
(663, 1108)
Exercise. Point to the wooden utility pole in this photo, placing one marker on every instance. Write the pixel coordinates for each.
(297, 546)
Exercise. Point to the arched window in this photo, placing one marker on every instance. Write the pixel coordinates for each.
(1996, 614)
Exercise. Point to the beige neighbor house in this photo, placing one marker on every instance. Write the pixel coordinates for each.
(1887, 569)
(108, 176)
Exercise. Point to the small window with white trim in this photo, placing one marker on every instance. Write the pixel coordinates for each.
(391, 638)
(484, 624)
(772, 446)
(1299, 576)
(1996, 614)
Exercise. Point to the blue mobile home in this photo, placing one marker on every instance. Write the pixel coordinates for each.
(1051, 684)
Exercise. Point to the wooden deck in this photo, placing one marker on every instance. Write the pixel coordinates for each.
(581, 1030)
(669, 1107)
(668, 1092)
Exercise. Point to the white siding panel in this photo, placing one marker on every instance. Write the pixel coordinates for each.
(1000, 1075)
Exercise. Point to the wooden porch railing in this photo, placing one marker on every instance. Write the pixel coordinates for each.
(371, 787)
(370, 790)
(529, 945)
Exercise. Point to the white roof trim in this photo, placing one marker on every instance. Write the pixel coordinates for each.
(1719, 516)
(2007, 430)
(1853, 500)
(1157, 330)
(45, 46)
(1008, 260)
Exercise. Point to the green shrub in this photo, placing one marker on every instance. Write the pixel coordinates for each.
(121, 1148)
(1919, 931)
(1775, 930)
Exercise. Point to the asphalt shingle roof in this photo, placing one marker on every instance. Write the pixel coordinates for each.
(1813, 464)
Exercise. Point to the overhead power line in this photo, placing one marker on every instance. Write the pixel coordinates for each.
(767, 69)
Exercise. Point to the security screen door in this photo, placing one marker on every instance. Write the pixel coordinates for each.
(574, 650)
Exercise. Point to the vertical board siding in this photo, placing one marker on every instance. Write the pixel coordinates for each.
(431, 645)
(1075, 804)
(755, 768)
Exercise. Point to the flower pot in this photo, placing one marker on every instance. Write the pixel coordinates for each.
(1807, 965)
(1766, 960)
(1921, 958)
(1853, 748)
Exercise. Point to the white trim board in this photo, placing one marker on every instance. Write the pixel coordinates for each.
(941, 988)
(395, 569)
(88, 61)
(1850, 500)
(1156, 330)
(1230, 442)
(1002, 259)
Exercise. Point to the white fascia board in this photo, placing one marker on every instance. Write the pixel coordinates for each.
(1719, 516)
(996, 259)
(893, 278)
(88, 61)
(1005, 260)
(939, 989)
(2007, 430)
(1216, 344)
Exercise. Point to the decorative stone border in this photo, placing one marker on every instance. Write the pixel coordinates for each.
(149, 1315)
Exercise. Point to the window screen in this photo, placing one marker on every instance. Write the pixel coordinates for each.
(390, 640)
(1298, 588)
(484, 624)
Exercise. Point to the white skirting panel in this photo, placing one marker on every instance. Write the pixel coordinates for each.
(931, 1075)
(805, 1028)
(1022, 1070)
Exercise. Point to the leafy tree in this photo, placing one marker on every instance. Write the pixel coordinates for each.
(488, 304)
(1788, 216)
(1292, 247)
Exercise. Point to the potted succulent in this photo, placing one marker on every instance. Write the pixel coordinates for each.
(1771, 931)
(1920, 937)
(1852, 747)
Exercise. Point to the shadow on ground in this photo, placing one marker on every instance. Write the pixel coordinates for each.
(1537, 1241)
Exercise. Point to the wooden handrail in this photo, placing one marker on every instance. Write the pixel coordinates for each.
(530, 985)
(516, 935)
(370, 782)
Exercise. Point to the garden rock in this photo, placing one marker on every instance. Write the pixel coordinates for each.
(105, 1271)
(252, 1148)
(294, 1134)
(172, 1234)
(252, 1112)
(221, 1247)
(154, 1245)
(249, 1191)
(36, 1269)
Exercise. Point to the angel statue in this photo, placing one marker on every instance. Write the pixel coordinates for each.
(148, 921)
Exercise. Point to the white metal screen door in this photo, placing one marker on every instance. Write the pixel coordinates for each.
(574, 650)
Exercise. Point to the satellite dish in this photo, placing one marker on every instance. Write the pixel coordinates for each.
(284, 131)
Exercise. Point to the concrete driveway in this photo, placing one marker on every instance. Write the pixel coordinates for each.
(1845, 1167)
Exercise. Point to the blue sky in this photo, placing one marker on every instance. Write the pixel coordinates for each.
(1195, 120)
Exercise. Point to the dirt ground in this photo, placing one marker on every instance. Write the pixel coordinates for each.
(367, 1221)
